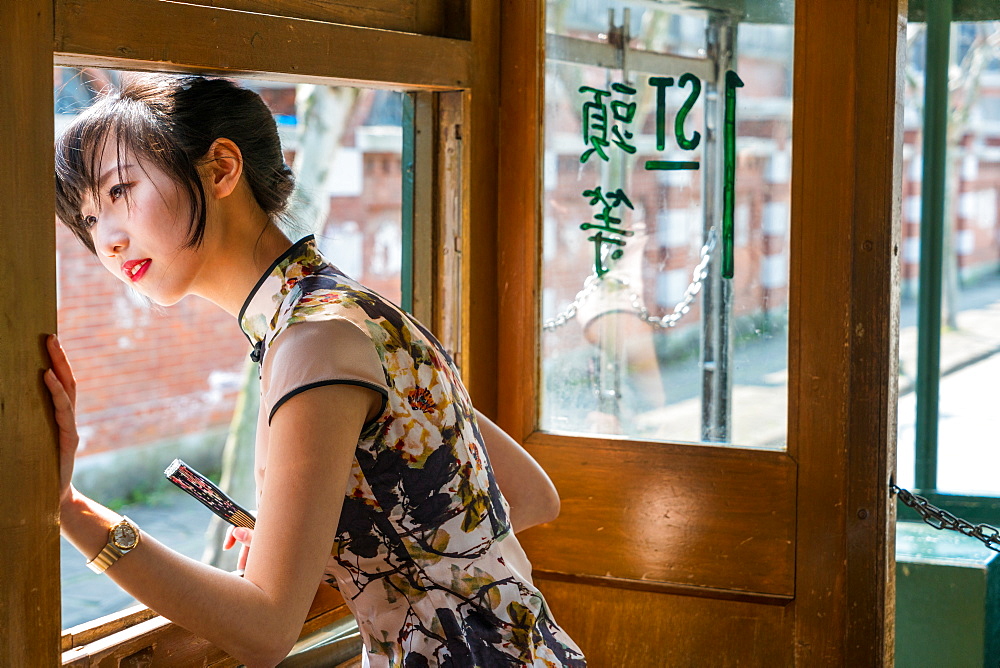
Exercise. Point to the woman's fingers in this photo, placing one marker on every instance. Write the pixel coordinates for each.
(62, 386)
(64, 409)
(237, 534)
(61, 367)
(243, 536)
(241, 563)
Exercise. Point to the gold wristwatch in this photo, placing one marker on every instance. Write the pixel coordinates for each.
(123, 537)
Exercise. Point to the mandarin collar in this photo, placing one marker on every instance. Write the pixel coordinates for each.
(261, 308)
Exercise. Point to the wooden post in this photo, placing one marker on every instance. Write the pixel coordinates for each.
(480, 358)
(522, 90)
(29, 479)
(845, 163)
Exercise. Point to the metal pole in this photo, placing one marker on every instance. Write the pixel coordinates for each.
(610, 357)
(409, 167)
(716, 325)
(932, 198)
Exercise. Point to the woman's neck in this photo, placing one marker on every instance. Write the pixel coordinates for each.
(243, 247)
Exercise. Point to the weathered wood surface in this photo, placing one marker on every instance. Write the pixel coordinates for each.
(482, 227)
(102, 627)
(219, 41)
(658, 513)
(134, 636)
(444, 18)
(844, 329)
(641, 628)
(420, 195)
(29, 469)
(450, 273)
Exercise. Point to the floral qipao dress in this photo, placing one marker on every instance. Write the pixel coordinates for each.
(424, 553)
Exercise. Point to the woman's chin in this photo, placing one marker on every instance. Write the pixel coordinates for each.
(161, 300)
(155, 298)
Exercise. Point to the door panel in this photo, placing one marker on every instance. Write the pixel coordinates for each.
(669, 514)
(618, 627)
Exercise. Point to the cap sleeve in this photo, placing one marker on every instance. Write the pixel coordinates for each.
(312, 354)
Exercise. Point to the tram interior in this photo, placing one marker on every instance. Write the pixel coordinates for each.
(728, 269)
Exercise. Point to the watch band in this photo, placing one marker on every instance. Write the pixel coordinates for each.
(123, 537)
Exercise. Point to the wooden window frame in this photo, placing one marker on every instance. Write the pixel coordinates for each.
(442, 18)
(452, 234)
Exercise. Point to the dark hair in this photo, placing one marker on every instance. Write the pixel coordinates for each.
(171, 121)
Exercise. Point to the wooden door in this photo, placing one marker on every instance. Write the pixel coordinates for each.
(671, 554)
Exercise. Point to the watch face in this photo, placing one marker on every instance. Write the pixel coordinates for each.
(124, 536)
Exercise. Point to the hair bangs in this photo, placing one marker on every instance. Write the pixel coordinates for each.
(130, 125)
(78, 155)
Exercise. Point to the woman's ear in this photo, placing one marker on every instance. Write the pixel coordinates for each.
(223, 167)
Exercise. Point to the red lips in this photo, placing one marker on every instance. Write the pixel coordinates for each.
(134, 269)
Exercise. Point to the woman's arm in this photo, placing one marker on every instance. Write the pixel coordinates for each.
(258, 617)
(532, 496)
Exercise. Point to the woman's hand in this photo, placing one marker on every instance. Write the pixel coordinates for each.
(243, 536)
(62, 386)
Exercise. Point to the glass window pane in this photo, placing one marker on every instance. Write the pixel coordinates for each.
(642, 335)
(970, 336)
(150, 389)
(679, 33)
(910, 214)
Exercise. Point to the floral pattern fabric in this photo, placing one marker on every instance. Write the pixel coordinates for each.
(420, 548)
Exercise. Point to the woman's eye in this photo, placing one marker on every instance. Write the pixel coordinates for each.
(118, 191)
(88, 221)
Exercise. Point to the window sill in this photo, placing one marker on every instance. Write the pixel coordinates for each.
(137, 634)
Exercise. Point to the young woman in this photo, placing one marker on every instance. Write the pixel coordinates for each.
(371, 463)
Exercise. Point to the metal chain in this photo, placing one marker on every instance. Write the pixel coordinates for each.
(698, 277)
(589, 285)
(942, 519)
(635, 301)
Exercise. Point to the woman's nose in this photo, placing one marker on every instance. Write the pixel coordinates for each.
(109, 238)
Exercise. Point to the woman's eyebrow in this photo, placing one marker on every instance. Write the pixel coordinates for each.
(111, 170)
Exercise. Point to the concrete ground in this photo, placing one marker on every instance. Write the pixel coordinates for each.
(179, 521)
(968, 439)
(969, 445)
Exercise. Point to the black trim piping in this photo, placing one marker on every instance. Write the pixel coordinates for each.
(341, 381)
(260, 281)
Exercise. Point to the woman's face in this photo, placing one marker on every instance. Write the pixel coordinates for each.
(142, 240)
